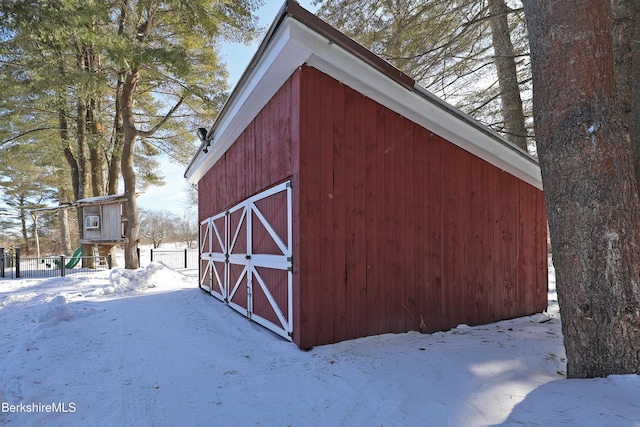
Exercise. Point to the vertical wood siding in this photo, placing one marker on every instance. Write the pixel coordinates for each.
(259, 159)
(394, 228)
(402, 230)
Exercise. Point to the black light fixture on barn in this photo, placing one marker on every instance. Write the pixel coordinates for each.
(202, 134)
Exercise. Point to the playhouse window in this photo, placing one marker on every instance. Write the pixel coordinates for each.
(91, 222)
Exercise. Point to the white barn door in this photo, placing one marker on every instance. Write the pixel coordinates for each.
(213, 250)
(249, 265)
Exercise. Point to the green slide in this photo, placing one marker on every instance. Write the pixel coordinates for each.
(75, 258)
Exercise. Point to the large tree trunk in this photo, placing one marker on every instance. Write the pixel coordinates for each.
(132, 229)
(98, 187)
(23, 223)
(68, 153)
(589, 184)
(626, 39)
(634, 114)
(63, 221)
(84, 165)
(118, 141)
(84, 175)
(113, 175)
(514, 120)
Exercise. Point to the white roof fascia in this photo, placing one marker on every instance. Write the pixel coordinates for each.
(280, 59)
(419, 106)
(294, 43)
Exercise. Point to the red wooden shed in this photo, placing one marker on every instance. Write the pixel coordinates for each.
(338, 199)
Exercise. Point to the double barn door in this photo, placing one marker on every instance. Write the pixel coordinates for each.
(246, 259)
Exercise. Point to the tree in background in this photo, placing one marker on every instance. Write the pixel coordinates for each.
(28, 178)
(157, 226)
(172, 46)
(186, 229)
(115, 83)
(514, 127)
(471, 53)
(589, 181)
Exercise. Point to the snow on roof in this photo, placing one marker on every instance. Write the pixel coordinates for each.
(101, 200)
(88, 201)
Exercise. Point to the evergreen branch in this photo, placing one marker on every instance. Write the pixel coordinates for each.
(20, 135)
(146, 134)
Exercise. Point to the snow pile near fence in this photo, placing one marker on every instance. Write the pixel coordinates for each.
(155, 275)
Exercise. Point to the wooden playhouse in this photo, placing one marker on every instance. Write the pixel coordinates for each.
(103, 222)
(338, 199)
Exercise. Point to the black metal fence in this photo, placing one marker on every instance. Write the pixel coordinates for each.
(187, 258)
(14, 266)
(7, 262)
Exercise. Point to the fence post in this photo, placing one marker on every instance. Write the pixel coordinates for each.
(151, 254)
(185, 258)
(62, 266)
(109, 264)
(17, 263)
(138, 251)
(1, 262)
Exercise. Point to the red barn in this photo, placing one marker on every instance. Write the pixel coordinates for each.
(338, 199)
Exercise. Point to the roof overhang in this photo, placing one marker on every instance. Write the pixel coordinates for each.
(298, 37)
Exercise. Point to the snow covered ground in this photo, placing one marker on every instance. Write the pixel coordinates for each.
(148, 348)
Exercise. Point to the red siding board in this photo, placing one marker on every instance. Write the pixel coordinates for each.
(485, 183)
(372, 215)
(407, 243)
(427, 232)
(355, 191)
(295, 142)
(261, 151)
(338, 212)
(266, 134)
(236, 183)
(249, 159)
(351, 218)
(382, 213)
(310, 283)
(283, 130)
(469, 301)
(434, 230)
(506, 247)
(457, 262)
(533, 269)
(541, 271)
(526, 246)
(390, 226)
(274, 160)
(328, 205)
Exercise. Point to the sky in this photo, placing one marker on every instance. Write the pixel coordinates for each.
(172, 195)
(147, 347)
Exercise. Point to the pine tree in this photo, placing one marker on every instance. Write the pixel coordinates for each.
(590, 188)
(115, 83)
